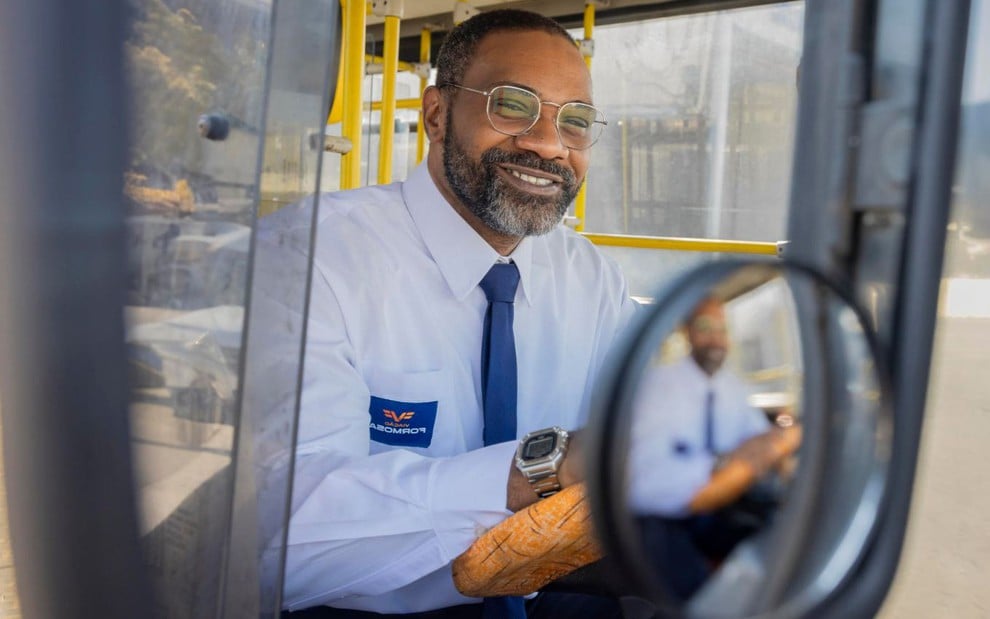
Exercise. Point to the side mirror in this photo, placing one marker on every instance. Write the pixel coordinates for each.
(741, 443)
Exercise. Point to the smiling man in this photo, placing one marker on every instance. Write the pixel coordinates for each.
(453, 321)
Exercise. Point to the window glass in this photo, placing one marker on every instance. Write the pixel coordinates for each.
(226, 103)
(191, 201)
(701, 112)
(403, 141)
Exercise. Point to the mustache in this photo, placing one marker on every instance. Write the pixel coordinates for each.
(495, 156)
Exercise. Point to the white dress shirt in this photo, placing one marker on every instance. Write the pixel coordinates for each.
(392, 481)
(670, 460)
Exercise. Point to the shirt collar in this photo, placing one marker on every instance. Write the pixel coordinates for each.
(701, 375)
(461, 254)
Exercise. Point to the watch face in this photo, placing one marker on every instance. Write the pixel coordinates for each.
(540, 446)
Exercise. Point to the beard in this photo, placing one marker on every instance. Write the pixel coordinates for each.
(499, 205)
(709, 358)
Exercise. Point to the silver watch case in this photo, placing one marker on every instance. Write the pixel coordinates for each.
(542, 472)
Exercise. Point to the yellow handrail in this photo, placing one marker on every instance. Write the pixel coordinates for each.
(401, 104)
(582, 196)
(401, 65)
(386, 132)
(684, 244)
(425, 41)
(354, 36)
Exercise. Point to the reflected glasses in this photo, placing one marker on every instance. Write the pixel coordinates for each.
(514, 111)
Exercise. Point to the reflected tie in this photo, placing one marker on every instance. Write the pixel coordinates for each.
(498, 389)
(710, 422)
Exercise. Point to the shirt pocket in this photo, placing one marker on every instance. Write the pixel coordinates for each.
(403, 408)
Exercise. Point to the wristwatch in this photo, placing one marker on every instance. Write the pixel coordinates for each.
(539, 457)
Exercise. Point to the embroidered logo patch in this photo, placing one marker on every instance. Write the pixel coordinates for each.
(404, 424)
(682, 448)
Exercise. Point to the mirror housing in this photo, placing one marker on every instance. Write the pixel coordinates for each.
(821, 530)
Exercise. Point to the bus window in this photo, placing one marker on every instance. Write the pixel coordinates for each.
(701, 112)
(403, 143)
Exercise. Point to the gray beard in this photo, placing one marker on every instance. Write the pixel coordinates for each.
(498, 205)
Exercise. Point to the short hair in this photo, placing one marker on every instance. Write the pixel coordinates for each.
(460, 44)
(708, 301)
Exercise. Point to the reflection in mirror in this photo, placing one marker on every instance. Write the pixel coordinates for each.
(715, 432)
(712, 427)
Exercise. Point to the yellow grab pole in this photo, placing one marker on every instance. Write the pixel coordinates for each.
(685, 244)
(624, 134)
(386, 131)
(587, 49)
(589, 28)
(425, 41)
(354, 32)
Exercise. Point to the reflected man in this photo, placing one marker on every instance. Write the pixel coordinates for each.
(696, 411)
(692, 419)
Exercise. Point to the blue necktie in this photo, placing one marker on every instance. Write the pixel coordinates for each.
(498, 390)
(710, 422)
(498, 355)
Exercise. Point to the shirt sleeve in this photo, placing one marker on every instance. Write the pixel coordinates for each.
(363, 525)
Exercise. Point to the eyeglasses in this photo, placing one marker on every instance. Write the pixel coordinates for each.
(514, 111)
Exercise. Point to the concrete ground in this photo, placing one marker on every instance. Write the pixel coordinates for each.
(945, 567)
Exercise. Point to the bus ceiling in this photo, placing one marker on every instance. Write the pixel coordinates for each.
(437, 15)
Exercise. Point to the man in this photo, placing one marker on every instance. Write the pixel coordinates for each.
(399, 467)
(700, 413)
(691, 418)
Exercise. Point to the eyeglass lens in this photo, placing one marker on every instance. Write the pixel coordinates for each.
(514, 111)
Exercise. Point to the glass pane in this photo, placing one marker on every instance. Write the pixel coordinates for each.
(212, 102)
(403, 141)
(197, 69)
(701, 113)
(192, 202)
(949, 508)
(646, 269)
(305, 44)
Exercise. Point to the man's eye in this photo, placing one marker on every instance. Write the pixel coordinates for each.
(576, 122)
(511, 107)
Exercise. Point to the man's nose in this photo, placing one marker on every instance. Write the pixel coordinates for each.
(543, 137)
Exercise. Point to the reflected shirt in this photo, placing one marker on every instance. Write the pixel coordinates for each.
(392, 480)
(670, 459)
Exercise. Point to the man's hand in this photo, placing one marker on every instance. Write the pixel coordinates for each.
(764, 451)
(520, 494)
(745, 465)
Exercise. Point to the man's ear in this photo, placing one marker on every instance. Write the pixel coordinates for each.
(434, 114)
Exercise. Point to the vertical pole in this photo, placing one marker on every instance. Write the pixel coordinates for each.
(624, 124)
(721, 96)
(63, 363)
(354, 26)
(425, 41)
(589, 26)
(386, 131)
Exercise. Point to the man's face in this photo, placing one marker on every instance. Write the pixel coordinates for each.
(516, 185)
(708, 336)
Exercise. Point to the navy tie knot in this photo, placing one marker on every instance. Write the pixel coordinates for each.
(500, 283)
